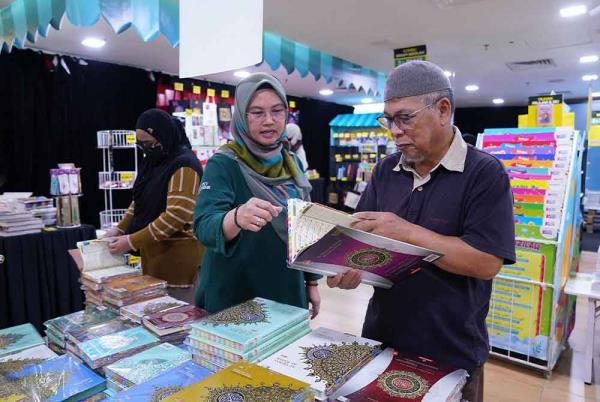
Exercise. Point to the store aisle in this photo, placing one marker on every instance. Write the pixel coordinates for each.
(344, 311)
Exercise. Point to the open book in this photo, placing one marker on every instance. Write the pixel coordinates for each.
(322, 241)
(100, 264)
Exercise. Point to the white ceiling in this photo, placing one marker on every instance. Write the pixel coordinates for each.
(366, 32)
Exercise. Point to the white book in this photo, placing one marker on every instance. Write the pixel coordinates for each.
(96, 255)
(106, 274)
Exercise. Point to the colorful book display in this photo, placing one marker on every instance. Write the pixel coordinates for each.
(165, 385)
(54, 380)
(249, 331)
(246, 382)
(144, 366)
(16, 339)
(322, 241)
(391, 377)
(325, 359)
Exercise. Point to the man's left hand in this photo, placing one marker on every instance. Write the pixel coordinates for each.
(119, 245)
(385, 224)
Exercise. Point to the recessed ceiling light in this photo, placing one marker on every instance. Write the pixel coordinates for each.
(472, 88)
(590, 77)
(95, 43)
(589, 59)
(242, 74)
(573, 11)
(595, 94)
(498, 101)
(449, 73)
(326, 92)
(366, 100)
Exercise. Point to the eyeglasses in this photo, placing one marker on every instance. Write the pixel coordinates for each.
(260, 115)
(404, 121)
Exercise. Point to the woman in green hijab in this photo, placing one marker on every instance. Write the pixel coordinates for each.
(241, 214)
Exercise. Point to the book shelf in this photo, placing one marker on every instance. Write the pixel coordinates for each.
(530, 316)
(109, 179)
(357, 143)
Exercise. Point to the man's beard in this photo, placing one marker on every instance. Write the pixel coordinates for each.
(413, 159)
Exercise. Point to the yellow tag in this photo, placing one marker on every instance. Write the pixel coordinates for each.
(344, 179)
(130, 139)
(347, 135)
(210, 92)
(373, 156)
(382, 156)
(332, 179)
(134, 260)
(126, 176)
(292, 104)
(347, 156)
(353, 135)
(354, 156)
(188, 112)
(178, 86)
(224, 94)
(196, 89)
(359, 179)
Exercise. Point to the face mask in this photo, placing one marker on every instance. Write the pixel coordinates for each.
(154, 153)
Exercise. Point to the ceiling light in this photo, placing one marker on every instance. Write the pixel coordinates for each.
(366, 100)
(588, 59)
(472, 88)
(326, 92)
(590, 77)
(449, 74)
(573, 11)
(242, 74)
(95, 43)
(595, 94)
(498, 101)
(368, 108)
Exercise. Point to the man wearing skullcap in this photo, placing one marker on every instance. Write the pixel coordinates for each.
(439, 193)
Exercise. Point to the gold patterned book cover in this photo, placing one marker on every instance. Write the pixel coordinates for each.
(245, 382)
(325, 359)
(125, 286)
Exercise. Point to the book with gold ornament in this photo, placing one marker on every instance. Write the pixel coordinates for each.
(16, 339)
(58, 379)
(28, 357)
(57, 329)
(136, 312)
(245, 382)
(325, 359)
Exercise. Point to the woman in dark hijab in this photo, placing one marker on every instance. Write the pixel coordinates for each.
(158, 223)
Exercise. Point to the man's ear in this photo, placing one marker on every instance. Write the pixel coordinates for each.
(445, 110)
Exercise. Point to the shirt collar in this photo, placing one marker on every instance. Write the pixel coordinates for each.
(453, 160)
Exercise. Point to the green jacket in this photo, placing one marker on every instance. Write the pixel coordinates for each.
(252, 264)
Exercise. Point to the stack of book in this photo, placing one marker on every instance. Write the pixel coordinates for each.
(325, 359)
(42, 208)
(125, 291)
(98, 267)
(58, 379)
(58, 328)
(25, 358)
(19, 338)
(393, 377)
(173, 325)
(16, 223)
(165, 385)
(107, 349)
(250, 331)
(144, 366)
(136, 312)
(76, 337)
(246, 382)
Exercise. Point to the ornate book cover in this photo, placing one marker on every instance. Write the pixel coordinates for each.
(61, 326)
(325, 359)
(28, 357)
(165, 384)
(57, 379)
(322, 241)
(245, 382)
(392, 377)
(137, 311)
(245, 325)
(146, 365)
(123, 287)
(115, 344)
(98, 330)
(16, 339)
(174, 319)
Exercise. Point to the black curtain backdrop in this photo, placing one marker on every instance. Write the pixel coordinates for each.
(474, 120)
(49, 115)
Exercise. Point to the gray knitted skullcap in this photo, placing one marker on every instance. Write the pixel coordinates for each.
(415, 78)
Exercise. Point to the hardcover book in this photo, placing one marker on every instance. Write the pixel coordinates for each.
(61, 326)
(173, 320)
(96, 255)
(322, 241)
(98, 330)
(129, 287)
(137, 311)
(107, 274)
(325, 359)
(16, 339)
(28, 357)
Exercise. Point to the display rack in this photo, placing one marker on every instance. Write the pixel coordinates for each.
(357, 143)
(591, 200)
(110, 180)
(530, 316)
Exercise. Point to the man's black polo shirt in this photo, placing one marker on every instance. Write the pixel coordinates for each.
(435, 313)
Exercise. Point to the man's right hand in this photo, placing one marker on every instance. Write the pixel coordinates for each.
(348, 280)
(112, 232)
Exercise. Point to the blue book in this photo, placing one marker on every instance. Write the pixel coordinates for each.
(59, 379)
(109, 348)
(146, 365)
(165, 384)
(16, 339)
(248, 324)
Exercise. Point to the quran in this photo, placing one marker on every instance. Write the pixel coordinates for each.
(16, 339)
(322, 241)
(174, 320)
(325, 359)
(392, 377)
(136, 312)
(57, 329)
(245, 382)
(28, 357)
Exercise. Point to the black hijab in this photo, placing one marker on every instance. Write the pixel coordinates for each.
(151, 185)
